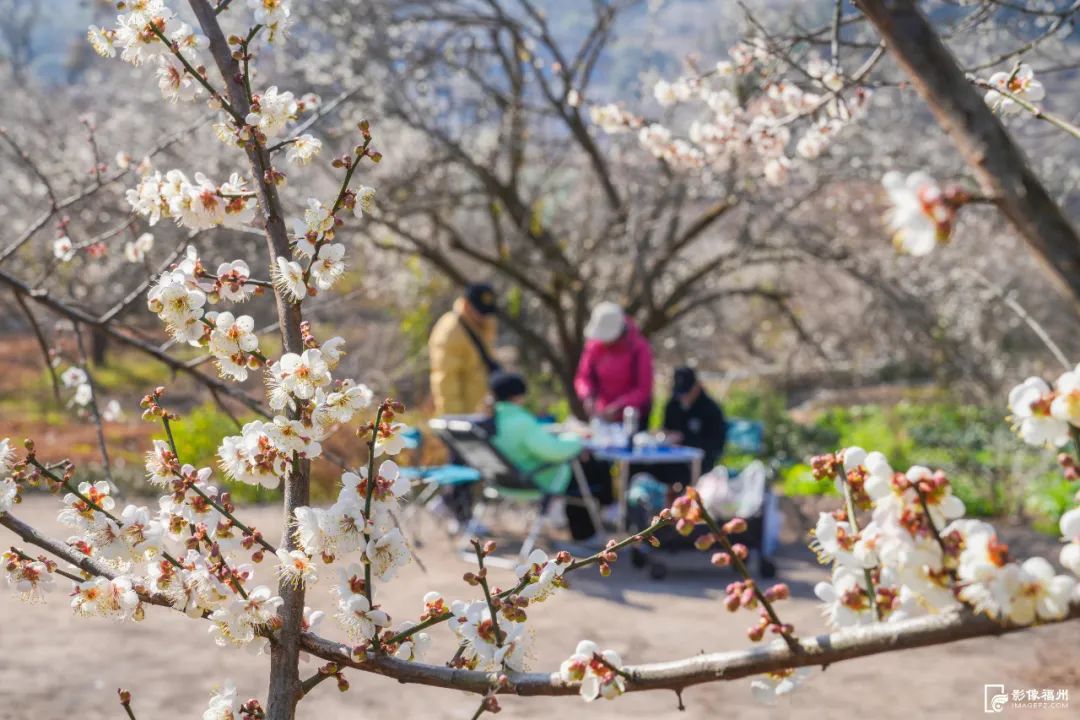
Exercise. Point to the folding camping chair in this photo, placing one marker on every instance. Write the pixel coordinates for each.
(428, 481)
(470, 439)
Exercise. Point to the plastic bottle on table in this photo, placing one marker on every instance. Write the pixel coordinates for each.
(630, 424)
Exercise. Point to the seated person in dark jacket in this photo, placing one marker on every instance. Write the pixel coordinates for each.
(693, 419)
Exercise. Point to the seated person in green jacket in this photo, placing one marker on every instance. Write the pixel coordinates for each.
(524, 440)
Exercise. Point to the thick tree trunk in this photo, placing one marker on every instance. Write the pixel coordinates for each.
(285, 687)
(998, 164)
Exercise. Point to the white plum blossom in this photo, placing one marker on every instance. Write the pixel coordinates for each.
(1031, 591)
(224, 704)
(232, 343)
(9, 493)
(545, 576)
(846, 601)
(1030, 403)
(365, 201)
(329, 266)
(1070, 532)
(135, 251)
(1066, 403)
(102, 596)
(415, 646)
(769, 688)
(7, 454)
(595, 671)
(30, 578)
(296, 567)
(303, 149)
(63, 249)
(237, 622)
(920, 216)
(271, 111)
(386, 554)
(288, 278)
(301, 375)
(1020, 83)
(233, 282)
(358, 618)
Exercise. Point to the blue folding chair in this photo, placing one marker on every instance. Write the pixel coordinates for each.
(431, 479)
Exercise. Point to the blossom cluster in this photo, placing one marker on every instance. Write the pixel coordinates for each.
(757, 130)
(1019, 83)
(1044, 415)
(918, 555)
(198, 205)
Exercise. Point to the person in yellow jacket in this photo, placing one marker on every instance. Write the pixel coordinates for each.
(460, 352)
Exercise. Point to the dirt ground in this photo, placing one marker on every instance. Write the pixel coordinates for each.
(53, 665)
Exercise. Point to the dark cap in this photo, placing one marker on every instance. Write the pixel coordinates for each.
(506, 385)
(684, 381)
(482, 297)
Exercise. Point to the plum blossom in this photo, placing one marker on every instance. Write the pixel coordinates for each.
(135, 251)
(253, 458)
(415, 646)
(296, 567)
(365, 201)
(1066, 403)
(1031, 591)
(9, 495)
(545, 576)
(288, 278)
(594, 671)
(232, 343)
(846, 601)
(1020, 83)
(272, 110)
(301, 375)
(237, 622)
(63, 249)
(30, 578)
(7, 454)
(232, 282)
(769, 688)
(387, 554)
(329, 266)
(101, 39)
(920, 217)
(303, 149)
(358, 618)
(1030, 403)
(102, 596)
(224, 704)
(1070, 532)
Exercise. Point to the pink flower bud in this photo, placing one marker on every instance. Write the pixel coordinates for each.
(734, 526)
(780, 591)
(721, 559)
(705, 541)
(740, 550)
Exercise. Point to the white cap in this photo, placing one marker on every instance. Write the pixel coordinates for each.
(606, 323)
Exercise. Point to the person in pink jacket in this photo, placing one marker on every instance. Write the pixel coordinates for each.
(616, 367)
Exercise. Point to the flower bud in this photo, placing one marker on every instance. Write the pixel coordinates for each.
(721, 559)
(780, 591)
(489, 547)
(755, 633)
(731, 602)
(734, 526)
(704, 542)
(740, 550)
